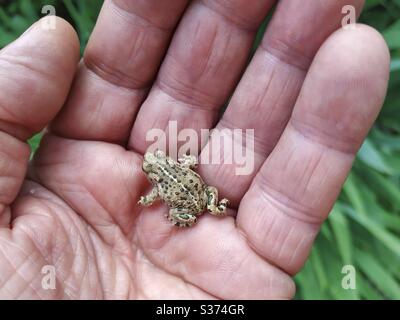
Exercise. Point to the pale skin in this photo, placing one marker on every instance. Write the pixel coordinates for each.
(311, 92)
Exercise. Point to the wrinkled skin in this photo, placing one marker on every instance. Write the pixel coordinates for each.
(311, 92)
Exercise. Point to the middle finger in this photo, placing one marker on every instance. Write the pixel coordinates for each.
(202, 66)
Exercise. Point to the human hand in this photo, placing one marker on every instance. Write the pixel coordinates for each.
(310, 93)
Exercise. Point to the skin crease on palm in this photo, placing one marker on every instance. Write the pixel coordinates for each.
(311, 92)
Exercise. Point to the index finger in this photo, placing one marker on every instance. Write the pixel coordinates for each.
(119, 64)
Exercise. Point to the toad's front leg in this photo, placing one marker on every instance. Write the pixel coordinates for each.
(149, 199)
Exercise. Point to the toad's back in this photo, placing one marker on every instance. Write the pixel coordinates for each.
(181, 187)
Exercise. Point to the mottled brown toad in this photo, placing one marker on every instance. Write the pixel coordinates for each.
(182, 189)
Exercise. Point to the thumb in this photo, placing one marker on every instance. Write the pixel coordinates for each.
(36, 72)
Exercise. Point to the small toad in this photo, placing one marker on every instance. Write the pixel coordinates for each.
(182, 189)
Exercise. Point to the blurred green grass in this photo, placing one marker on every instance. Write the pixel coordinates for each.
(364, 227)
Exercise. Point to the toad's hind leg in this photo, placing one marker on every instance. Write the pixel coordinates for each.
(213, 207)
(181, 217)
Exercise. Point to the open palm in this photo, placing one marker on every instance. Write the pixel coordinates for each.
(310, 93)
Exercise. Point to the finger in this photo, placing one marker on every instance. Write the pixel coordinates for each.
(268, 90)
(120, 62)
(36, 72)
(202, 66)
(300, 181)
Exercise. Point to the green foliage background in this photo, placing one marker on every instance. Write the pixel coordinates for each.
(364, 227)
